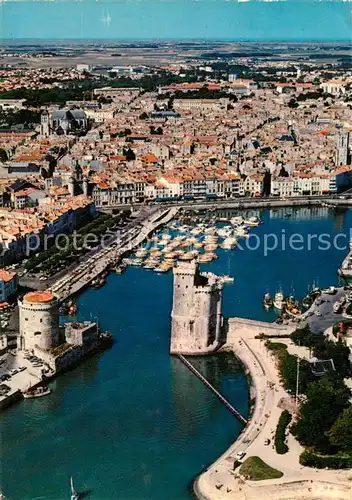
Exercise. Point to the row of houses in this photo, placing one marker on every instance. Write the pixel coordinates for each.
(110, 193)
(22, 230)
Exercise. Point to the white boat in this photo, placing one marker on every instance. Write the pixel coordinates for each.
(166, 237)
(337, 307)
(229, 243)
(253, 221)
(227, 279)
(279, 300)
(241, 231)
(74, 494)
(187, 256)
(210, 247)
(267, 300)
(37, 393)
(136, 262)
(205, 257)
(237, 221)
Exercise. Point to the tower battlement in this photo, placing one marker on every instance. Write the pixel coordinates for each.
(196, 311)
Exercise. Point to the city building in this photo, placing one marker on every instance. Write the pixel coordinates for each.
(8, 285)
(64, 122)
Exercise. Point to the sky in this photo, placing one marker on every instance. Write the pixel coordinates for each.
(176, 19)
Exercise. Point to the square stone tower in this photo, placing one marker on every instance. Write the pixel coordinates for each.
(197, 310)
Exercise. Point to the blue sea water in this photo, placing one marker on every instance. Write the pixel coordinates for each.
(134, 423)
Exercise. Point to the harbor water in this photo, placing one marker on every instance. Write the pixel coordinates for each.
(133, 423)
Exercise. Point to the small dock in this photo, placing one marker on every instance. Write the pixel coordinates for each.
(212, 388)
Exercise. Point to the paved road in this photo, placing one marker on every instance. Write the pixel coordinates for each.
(122, 235)
(96, 264)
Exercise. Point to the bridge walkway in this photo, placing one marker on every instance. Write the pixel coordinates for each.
(228, 405)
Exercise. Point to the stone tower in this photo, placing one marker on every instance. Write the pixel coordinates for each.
(342, 149)
(85, 186)
(39, 320)
(197, 310)
(71, 186)
(44, 124)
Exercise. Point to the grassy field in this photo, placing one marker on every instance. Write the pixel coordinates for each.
(256, 470)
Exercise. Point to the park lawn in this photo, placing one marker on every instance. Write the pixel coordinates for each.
(256, 470)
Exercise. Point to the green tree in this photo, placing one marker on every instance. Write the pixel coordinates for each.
(326, 399)
(3, 155)
(340, 434)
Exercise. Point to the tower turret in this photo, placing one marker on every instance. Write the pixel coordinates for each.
(196, 312)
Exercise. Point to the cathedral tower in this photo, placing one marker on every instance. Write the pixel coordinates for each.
(44, 124)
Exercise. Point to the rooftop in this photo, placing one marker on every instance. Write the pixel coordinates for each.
(38, 297)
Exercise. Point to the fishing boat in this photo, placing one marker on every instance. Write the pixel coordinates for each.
(267, 301)
(74, 494)
(279, 300)
(37, 393)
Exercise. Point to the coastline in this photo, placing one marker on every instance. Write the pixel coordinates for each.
(221, 481)
(254, 412)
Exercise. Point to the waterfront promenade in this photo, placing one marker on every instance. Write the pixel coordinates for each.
(220, 481)
(246, 203)
(100, 261)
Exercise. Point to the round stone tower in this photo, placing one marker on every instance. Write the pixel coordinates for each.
(197, 311)
(39, 320)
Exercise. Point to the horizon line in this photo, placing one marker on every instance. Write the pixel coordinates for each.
(172, 39)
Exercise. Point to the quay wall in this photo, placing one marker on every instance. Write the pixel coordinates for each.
(248, 203)
(10, 399)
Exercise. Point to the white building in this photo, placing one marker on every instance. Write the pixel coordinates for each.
(335, 87)
(11, 104)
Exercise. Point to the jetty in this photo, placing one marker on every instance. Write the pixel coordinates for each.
(228, 405)
(345, 270)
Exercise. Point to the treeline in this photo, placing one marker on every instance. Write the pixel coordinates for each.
(77, 90)
(23, 117)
